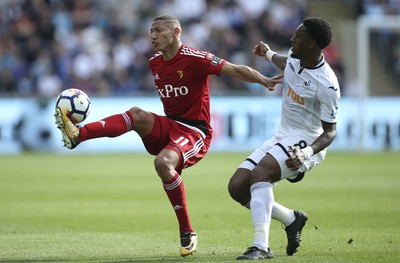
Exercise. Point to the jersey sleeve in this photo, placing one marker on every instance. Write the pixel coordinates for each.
(329, 99)
(213, 64)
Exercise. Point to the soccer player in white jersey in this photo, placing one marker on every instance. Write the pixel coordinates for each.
(308, 126)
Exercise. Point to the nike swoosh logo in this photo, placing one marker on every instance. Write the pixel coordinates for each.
(190, 247)
(178, 207)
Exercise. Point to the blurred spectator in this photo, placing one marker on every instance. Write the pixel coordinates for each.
(102, 46)
(49, 84)
(7, 82)
(332, 56)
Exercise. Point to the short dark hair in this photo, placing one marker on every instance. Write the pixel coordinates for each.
(172, 20)
(319, 30)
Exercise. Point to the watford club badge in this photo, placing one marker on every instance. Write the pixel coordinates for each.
(180, 74)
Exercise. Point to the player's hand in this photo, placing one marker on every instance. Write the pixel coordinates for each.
(270, 83)
(260, 49)
(296, 160)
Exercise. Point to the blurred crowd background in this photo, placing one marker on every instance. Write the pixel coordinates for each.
(386, 43)
(102, 46)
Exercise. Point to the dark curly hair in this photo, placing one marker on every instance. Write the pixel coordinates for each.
(319, 30)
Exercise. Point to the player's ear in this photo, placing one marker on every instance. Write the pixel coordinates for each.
(177, 31)
(312, 43)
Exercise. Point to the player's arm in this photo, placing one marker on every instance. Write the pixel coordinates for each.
(251, 75)
(263, 50)
(323, 141)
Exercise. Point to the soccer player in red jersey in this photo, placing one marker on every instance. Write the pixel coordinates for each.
(182, 137)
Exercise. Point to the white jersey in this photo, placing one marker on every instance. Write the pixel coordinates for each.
(309, 96)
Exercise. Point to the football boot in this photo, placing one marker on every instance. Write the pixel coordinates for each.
(188, 243)
(253, 253)
(69, 130)
(293, 231)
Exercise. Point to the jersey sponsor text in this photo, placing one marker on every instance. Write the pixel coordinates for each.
(170, 91)
(295, 97)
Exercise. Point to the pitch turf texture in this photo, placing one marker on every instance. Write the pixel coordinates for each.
(112, 208)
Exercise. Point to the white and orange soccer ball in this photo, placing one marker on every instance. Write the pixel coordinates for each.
(75, 103)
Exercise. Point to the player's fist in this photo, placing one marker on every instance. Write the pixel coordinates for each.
(296, 160)
(261, 49)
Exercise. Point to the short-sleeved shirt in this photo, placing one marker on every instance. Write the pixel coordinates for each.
(182, 84)
(310, 95)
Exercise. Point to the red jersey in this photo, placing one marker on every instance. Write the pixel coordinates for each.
(182, 84)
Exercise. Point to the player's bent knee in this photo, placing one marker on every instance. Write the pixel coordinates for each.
(164, 167)
(231, 189)
(237, 191)
(160, 163)
(136, 112)
(233, 186)
(143, 120)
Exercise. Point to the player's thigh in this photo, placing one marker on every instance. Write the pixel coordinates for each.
(192, 144)
(280, 152)
(267, 170)
(255, 157)
(159, 137)
(261, 166)
(143, 121)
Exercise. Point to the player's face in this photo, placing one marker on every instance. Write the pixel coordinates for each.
(162, 35)
(301, 42)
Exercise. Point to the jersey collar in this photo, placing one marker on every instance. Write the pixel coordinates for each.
(320, 64)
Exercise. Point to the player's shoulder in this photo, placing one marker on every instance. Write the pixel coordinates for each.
(185, 52)
(328, 81)
(192, 52)
(155, 56)
(327, 74)
(201, 57)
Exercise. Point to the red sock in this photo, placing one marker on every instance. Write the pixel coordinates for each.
(111, 126)
(176, 193)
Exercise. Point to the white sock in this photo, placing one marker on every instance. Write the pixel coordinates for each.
(262, 200)
(282, 214)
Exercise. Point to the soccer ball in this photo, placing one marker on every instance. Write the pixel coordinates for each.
(75, 103)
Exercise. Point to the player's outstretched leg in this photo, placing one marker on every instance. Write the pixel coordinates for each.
(188, 243)
(293, 231)
(253, 253)
(69, 131)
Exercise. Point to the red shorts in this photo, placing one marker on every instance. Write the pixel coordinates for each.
(188, 143)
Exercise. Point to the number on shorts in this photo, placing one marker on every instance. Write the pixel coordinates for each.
(302, 144)
(182, 141)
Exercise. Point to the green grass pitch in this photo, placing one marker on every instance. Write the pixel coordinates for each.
(112, 208)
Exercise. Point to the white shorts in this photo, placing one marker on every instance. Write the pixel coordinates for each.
(278, 148)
